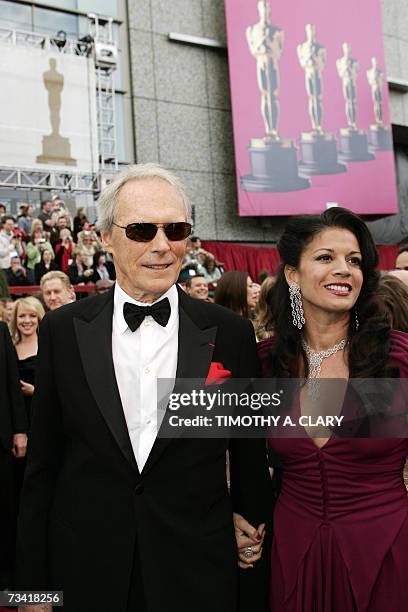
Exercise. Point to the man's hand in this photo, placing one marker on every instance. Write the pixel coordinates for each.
(39, 608)
(248, 537)
(26, 388)
(19, 445)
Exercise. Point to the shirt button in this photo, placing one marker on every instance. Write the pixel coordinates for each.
(147, 371)
(139, 489)
(147, 323)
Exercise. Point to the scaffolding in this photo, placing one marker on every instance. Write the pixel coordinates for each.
(99, 44)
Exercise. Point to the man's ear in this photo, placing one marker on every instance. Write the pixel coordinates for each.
(291, 274)
(107, 241)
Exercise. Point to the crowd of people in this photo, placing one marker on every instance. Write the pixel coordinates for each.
(98, 484)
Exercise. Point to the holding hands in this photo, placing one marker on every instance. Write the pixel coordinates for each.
(249, 541)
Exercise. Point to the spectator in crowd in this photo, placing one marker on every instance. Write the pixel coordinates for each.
(46, 214)
(197, 287)
(2, 210)
(16, 275)
(78, 272)
(9, 244)
(63, 250)
(197, 251)
(13, 441)
(35, 248)
(25, 218)
(88, 245)
(262, 319)
(56, 290)
(6, 309)
(62, 222)
(392, 295)
(401, 274)
(79, 221)
(27, 314)
(46, 264)
(235, 291)
(103, 269)
(103, 286)
(36, 224)
(401, 263)
(210, 270)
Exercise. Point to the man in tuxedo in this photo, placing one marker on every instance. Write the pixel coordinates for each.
(13, 441)
(115, 516)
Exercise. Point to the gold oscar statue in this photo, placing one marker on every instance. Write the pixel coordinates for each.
(318, 148)
(381, 138)
(353, 142)
(55, 148)
(273, 159)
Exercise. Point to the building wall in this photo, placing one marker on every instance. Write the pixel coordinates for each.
(182, 112)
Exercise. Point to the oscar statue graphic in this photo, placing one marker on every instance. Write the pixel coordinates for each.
(381, 138)
(55, 148)
(353, 142)
(273, 159)
(318, 148)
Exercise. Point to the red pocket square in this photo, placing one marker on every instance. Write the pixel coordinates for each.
(217, 374)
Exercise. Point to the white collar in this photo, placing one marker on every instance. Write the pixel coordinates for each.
(120, 297)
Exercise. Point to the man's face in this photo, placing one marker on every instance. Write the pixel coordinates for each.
(198, 288)
(15, 264)
(8, 226)
(146, 270)
(8, 311)
(55, 293)
(47, 207)
(197, 244)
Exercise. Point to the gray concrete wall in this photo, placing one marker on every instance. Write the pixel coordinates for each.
(182, 109)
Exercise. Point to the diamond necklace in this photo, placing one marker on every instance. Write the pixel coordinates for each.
(315, 359)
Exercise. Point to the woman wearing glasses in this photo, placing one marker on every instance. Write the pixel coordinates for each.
(341, 519)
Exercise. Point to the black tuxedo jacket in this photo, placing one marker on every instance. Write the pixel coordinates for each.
(12, 412)
(88, 515)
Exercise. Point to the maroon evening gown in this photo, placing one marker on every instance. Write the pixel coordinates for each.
(341, 519)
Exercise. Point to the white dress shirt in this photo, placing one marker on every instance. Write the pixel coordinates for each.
(139, 359)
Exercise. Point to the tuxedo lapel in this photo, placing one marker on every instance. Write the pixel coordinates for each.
(94, 337)
(196, 341)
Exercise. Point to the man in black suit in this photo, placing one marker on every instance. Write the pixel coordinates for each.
(13, 440)
(119, 519)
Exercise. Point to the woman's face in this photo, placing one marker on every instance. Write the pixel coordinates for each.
(251, 293)
(27, 321)
(102, 260)
(329, 272)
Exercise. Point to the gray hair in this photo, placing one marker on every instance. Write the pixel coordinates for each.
(108, 199)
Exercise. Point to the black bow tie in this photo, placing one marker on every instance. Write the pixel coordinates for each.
(134, 315)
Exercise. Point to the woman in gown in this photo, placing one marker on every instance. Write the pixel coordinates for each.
(341, 520)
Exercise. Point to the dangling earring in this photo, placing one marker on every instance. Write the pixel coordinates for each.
(296, 305)
(356, 321)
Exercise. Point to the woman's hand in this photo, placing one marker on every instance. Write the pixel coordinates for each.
(26, 388)
(249, 540)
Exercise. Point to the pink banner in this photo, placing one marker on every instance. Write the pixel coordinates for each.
(310, 107)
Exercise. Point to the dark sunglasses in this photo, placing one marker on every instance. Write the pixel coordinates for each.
(145, 232)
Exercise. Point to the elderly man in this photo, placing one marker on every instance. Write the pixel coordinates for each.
(117, 517)
(197, 287)
(56, 290)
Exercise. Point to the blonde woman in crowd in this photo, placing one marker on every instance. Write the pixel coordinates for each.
(25, 320)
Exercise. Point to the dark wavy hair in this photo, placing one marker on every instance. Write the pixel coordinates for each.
(369, 345)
